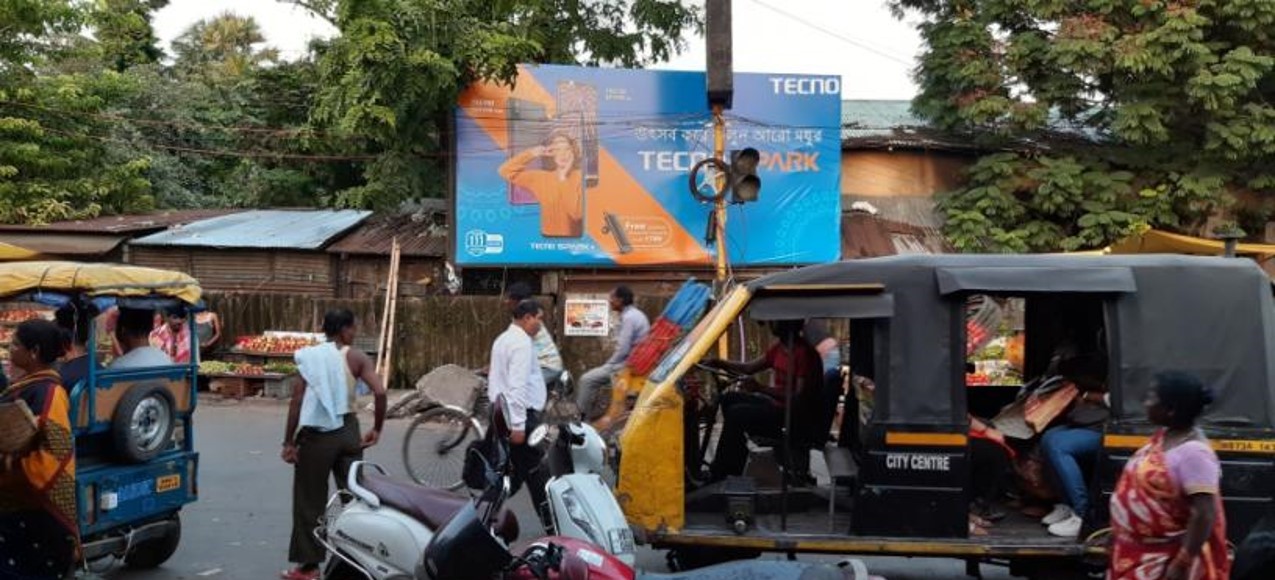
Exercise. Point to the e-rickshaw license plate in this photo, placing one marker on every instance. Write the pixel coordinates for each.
(168, 483)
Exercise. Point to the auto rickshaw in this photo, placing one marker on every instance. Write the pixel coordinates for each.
(136, 464)
(900, 483)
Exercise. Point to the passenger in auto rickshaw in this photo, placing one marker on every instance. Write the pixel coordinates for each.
(760, 412)
(74, 323)
(39, 537)
(132, 334)
(172, 335)
(1075, 441)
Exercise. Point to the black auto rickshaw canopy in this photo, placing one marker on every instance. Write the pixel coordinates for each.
(1212, 317)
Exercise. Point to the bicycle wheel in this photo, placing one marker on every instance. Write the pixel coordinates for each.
(435, 444)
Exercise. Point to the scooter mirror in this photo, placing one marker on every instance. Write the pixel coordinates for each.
(538, 436)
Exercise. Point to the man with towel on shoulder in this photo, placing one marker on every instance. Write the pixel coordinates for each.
(322, 437)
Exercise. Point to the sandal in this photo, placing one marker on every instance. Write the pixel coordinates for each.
(299, 573)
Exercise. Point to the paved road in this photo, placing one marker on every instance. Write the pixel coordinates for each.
(239, 527)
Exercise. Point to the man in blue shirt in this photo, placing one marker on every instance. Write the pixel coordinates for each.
(634, 327)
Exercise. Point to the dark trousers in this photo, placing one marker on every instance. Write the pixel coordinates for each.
(529, 467)
(743, 414)
(319, 455)
(989, 470)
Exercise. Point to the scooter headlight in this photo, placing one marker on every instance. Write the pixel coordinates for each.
(581, 517)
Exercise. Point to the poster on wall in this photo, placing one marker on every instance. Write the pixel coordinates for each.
(587, 317)
(575, 166)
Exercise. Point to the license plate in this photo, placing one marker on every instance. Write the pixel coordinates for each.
(168, 483)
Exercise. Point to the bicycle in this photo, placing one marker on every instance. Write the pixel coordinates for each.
(435, 443)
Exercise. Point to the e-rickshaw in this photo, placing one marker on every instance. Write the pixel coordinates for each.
(903, 487)
(136, 464)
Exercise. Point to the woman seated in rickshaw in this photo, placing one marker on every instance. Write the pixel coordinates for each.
(1074, 441)
(38, 531)
(759, 412)
(1062, 413)
(75, 323)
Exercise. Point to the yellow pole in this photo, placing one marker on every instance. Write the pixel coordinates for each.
(719, 209)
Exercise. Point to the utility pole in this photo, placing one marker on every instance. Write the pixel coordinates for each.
(721, 90)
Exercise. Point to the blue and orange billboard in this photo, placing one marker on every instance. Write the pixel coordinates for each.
(590, 167)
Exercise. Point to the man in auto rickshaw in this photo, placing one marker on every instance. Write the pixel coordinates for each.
(759, 412)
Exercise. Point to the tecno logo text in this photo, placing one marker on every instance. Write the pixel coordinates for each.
(806, 86)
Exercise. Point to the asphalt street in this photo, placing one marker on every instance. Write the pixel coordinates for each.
(239, 527)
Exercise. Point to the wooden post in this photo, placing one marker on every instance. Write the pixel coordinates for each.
(386, 364)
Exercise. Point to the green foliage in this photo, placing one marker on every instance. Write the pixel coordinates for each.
(223, 49)
(1167, 106)
(99, 123)
(54, 163)
(124, 34)
(55, 167)
(394, 74)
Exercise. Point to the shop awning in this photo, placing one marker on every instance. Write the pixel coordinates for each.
(62, 244)
(1161, 242)
(10, 252)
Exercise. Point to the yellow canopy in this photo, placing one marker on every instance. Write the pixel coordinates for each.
(1161, 242)
(10, 252)
(96, 280)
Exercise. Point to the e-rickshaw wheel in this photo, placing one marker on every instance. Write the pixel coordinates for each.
(142, 426)
(152, 553)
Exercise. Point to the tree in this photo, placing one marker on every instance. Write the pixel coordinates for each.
(124, 33)
(55, 161)
(394, 73)
(222, 49)
(1111, 114)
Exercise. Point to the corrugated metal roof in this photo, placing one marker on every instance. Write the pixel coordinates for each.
(124, 224)
(420, 235)
(280, 229)
(878, 123)
(68, 245)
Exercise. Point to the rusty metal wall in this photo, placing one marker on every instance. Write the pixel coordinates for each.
(272, 271)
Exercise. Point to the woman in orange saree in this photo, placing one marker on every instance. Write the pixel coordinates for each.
(1166, 514)
(38, 530)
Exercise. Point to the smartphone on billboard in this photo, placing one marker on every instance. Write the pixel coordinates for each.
(578, 115)
(526, 126)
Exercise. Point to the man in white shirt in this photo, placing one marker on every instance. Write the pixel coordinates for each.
(515, 374)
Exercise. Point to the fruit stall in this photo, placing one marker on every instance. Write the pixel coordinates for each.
(257, 364)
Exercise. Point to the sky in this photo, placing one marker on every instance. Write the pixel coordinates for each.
(857, 39)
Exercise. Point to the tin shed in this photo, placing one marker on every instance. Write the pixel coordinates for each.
(268, 251)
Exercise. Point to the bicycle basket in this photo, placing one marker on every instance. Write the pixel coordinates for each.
(452, 385)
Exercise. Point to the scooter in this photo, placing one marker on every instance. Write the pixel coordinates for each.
(581, 502)
(379, 526)
(383, 529)
(471, 546)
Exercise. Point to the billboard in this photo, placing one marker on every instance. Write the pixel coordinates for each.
(590, 167)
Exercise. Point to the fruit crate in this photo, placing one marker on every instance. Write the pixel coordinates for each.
(237, 387)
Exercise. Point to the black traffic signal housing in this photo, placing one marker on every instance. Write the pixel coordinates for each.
(746, 185)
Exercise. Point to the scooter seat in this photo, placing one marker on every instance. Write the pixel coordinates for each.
(432, 507)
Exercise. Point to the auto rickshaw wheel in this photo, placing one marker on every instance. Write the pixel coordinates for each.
(153, 552)
(142, 426)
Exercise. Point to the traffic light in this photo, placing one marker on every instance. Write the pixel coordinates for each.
(743, 173)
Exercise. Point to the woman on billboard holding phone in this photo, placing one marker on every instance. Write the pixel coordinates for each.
(559, 190)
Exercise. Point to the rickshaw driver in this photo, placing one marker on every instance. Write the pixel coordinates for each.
(761, 412)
